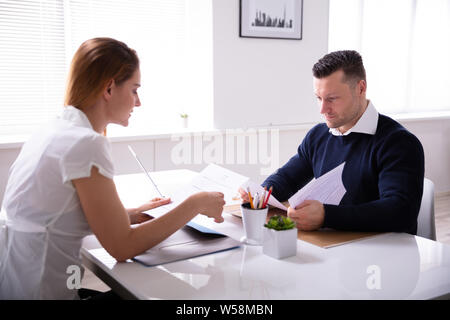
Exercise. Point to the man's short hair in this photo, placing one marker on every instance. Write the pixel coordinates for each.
(349, 61)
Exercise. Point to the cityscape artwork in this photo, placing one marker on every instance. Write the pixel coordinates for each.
(277, 19)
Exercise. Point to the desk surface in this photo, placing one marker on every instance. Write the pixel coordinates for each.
(388, 266)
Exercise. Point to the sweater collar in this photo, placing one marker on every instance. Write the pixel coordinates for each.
(366, 124)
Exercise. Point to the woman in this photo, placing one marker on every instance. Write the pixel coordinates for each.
(60, 187)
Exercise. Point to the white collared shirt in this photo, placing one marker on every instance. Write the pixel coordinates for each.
(366, 124)
(44, 219)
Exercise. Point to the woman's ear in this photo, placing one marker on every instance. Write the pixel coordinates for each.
(107, 93)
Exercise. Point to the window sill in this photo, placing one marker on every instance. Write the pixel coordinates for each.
(420, 116)
(15, 142)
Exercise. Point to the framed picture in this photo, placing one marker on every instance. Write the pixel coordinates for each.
(273, 19)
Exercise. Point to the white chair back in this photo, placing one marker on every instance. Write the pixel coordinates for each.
(425, 221)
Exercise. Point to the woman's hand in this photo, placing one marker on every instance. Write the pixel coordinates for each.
(209, 204)
(137, 215)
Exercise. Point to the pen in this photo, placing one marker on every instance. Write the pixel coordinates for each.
(143, 169)
(268, 196)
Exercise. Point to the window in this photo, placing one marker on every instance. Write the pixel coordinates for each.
(405, 45)
(32, 64)
(173, 39)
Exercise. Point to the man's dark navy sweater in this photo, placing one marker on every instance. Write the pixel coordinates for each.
(383, 176)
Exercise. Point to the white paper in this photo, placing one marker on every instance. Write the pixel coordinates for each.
(328, 189)
(212, 178)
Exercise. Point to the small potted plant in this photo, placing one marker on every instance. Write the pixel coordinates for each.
(184, 119)
(280, 237)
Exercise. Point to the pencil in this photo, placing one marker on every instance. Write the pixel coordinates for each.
(250, 198)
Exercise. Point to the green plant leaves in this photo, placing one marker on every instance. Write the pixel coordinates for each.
(280, 223)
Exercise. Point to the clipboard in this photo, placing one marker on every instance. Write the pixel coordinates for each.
(193, 240)
(328, 238)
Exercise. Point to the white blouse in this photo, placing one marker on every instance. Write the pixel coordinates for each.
(45, 223)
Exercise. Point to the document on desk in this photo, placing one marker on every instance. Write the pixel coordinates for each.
(186, 243)
(328, 189)
(212, 178)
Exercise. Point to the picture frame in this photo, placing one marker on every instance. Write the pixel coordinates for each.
(271, 19)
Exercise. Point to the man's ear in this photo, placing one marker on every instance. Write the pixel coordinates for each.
(107, 92)
(362, 87)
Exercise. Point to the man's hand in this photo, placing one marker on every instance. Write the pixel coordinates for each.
(309, 215)
(244, 195)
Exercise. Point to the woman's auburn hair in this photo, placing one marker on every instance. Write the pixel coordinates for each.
(96, 62)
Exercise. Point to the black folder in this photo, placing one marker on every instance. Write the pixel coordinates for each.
(191, 241)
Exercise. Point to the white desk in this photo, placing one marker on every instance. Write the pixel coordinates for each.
(407, 267)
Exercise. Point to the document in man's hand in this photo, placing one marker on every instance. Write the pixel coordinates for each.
(328, 189)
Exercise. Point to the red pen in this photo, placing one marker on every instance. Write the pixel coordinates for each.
(268, 196)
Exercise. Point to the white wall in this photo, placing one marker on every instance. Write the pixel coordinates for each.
(435, 138)
(258, 82)
(7, 157)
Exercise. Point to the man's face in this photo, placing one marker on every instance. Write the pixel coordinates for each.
(340, 103)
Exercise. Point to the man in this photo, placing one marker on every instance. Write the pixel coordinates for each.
(384, 168)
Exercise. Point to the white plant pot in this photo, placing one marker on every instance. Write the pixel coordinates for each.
(184, 122)
(280, 244)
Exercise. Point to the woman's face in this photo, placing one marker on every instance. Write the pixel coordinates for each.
(124, 98)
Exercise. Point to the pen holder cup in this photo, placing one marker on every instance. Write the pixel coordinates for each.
(253, 220)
